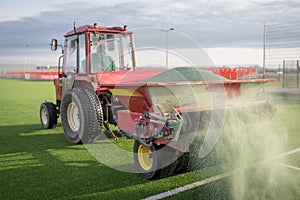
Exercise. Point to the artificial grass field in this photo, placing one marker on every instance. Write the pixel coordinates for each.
(41, 164)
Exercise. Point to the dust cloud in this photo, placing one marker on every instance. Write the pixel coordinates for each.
(251, 140)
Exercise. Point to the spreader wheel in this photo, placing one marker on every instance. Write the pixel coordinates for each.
(183, 163)
(81, 115)
(154, 162)
(48, 115)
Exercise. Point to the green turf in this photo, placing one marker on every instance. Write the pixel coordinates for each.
(41, 164)
(274, 84)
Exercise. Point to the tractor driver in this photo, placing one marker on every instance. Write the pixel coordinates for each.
(102, 60)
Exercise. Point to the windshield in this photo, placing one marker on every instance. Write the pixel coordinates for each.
(110, 52)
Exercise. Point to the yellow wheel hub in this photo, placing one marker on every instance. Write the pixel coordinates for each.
(144, 157)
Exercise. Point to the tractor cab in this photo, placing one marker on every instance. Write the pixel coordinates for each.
(91, 49)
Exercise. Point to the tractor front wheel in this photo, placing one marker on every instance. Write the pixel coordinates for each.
(154, 162)
(48, 115)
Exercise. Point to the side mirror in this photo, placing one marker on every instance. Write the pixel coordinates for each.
(53, 44)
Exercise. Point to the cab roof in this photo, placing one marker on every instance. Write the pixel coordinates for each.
(97, 28)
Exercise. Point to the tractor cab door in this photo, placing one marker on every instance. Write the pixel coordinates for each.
(74, 64)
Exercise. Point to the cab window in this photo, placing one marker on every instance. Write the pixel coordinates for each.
(72, 48)
(70, 54)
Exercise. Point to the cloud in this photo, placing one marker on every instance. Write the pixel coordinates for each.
(213, 23)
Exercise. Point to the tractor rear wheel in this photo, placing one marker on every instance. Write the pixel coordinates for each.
(81, 116)
(48, 115)
(154, 162)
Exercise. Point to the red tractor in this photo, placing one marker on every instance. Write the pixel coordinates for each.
(99, 84)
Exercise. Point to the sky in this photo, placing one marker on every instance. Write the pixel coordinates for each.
(230, 31)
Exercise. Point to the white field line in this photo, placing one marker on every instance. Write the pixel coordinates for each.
(189, 186)
(217, 177)
(284, 154)
(289, 166)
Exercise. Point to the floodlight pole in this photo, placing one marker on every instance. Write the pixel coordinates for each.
(167, 44)
(264, 53)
